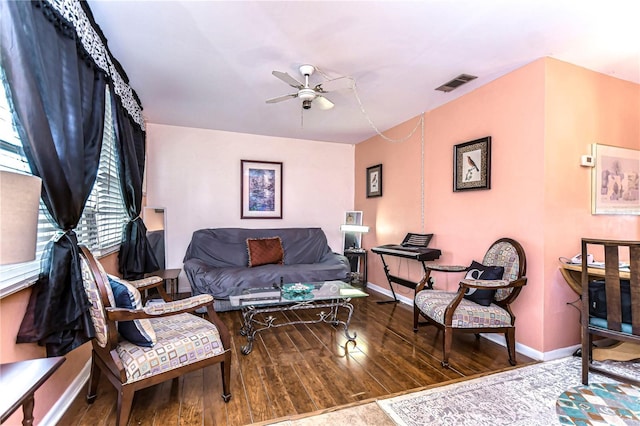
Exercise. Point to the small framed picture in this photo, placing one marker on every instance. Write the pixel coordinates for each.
(615, 180)
(260, 190)
(472, 165)
(374, 181)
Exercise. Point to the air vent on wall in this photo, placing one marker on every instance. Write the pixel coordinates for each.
(456, 82)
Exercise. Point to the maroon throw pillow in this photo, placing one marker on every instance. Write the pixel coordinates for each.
(264, 251)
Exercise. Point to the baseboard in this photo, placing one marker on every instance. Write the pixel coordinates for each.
(68, 396)
(496, 338)
(387, 292)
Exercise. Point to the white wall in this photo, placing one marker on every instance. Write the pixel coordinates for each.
(195, 175)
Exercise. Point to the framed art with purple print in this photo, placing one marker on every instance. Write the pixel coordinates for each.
(260, 189)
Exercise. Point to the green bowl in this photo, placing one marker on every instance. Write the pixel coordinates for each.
(297, 291)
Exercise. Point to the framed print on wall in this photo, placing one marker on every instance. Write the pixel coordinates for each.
(614, 180)
(260, 190)
(472, 165)
(374, 181)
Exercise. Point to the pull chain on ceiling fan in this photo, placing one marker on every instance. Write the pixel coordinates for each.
(311, 94)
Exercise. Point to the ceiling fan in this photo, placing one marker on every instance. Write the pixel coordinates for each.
(311, 94)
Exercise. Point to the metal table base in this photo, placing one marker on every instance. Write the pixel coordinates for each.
(253, 325)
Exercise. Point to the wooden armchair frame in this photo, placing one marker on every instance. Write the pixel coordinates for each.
(106, 359)
(510, 290)
(612, 327)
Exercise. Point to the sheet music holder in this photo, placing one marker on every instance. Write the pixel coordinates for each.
(414, 246)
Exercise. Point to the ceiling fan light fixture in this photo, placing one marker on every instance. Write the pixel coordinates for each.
(307, 94)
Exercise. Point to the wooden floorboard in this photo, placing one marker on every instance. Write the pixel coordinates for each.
(304, 368)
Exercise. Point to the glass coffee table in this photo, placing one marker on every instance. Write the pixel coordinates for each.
(259, 304)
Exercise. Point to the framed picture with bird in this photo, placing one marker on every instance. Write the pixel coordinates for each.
(472, 165)
(374, 181)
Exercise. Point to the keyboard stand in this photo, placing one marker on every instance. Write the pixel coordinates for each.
(404, 282)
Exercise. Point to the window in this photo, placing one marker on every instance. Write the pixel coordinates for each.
(102, 221)
(104, 215)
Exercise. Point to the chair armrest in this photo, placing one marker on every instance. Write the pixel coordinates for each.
(491, 284)
(432, 266)
(162, 310)
(141, 284)
(146, 283)
(184, 305)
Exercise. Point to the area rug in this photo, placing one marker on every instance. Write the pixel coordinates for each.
(523, 396)
(368, 414)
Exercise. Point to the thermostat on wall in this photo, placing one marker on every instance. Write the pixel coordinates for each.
(587, 161)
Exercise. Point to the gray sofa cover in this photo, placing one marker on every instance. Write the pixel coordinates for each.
(216, 261)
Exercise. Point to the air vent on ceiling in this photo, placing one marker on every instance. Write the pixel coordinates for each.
(456, 82)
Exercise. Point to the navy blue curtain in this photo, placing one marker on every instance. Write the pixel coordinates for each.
(136, 255)
(58, 96)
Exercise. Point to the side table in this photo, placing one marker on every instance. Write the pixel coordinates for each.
(361, 255)
(18, 383)
(572, 273)
(170, 276)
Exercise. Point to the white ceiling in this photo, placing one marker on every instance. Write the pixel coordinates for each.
(208, 64)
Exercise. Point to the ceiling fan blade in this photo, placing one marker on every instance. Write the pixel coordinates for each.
(323, 103)
(281, 98)
(288, 79)
(335, 84)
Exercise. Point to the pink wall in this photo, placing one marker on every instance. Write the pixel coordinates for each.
(581, 107)
(12, 309)
(537, 135)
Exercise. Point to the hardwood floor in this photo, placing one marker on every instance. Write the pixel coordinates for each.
(304, 368)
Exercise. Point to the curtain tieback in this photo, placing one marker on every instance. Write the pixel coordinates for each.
(60, 234)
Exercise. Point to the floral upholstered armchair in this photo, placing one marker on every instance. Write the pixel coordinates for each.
(482, 302)
(137, 347)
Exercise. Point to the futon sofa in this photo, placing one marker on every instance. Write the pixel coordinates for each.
(223, 262)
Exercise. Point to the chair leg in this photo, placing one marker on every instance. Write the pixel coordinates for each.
(225, 370)
(416, 317)
(125, 400)
(510, 337)
(587, 342)
(446, 346)
(94, 379)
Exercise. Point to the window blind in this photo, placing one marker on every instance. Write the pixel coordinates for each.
(100, 227)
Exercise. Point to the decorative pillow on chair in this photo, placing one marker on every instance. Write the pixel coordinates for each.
(478, 271)
(139, 332)
(263, 251)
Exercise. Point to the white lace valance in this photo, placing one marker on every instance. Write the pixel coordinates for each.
(72, 11)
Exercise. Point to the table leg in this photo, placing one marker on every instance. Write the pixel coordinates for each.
(250, 322)
(173, 284)
(27, 410)
(349, 337)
